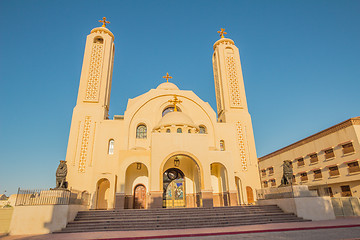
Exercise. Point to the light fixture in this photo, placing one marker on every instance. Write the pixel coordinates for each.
(138, 166)
(176, 162)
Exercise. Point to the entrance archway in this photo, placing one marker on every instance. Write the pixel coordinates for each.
(181, 182)
(140, 197)
(219, 182)
(103, 189)
(136, 175)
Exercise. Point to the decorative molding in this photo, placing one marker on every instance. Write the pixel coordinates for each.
(223, 41)
(102, 30)
(232, 76)
(240, 138)
(93, 84)
(330, 130)
(84, 144)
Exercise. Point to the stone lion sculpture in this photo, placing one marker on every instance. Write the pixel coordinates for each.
(61, 173)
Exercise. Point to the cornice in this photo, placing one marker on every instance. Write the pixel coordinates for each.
(223, 41)
(330, 130)
(102, 30)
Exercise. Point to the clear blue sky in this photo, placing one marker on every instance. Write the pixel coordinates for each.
(300, 60)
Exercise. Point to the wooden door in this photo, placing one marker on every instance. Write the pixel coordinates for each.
(140, 197)
(250, 195)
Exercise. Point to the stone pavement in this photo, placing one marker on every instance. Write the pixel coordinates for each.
(345, 228)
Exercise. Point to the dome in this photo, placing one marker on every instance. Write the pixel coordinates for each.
(167, 86)
(177, 119)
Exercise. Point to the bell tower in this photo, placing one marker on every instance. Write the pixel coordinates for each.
(229, 83)
(93, 100)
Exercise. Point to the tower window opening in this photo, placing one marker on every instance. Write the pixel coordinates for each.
(168, 130)
(98, 40)
(179, 130)
(222, 145)
(141, 131)
(111, 147)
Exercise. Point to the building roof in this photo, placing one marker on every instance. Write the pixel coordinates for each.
(335, 128)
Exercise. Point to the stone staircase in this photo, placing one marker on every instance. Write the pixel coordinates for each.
(178, 218)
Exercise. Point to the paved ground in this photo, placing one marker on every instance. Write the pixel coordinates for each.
(347, 228)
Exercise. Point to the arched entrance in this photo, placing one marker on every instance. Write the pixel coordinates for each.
(181, 182)
(136, 175)
(103, 189)
(240, 196)
(174, 188)
(250, 195)
(219, 182)
(140, 197)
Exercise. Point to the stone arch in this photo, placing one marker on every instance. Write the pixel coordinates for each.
(102, 193)
(136, 174)
(239, 190)
(220, 184)
(250, 195)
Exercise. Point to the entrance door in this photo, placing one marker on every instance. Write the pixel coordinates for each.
(250, 195)
(103, 189)
(140, 197)
(174, 189)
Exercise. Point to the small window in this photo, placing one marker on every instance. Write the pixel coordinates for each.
(189, 131)
(168, 130)
(263, 172)
(273, 182)
(111, 147)
(303, 177)
(334, 171)
(353, 167)
(202, 129)
(314, 158)
(265, 184)
(329, 153)
(300, 162)
(271, 170)
(222, 145)
(179, 130)
(141, 131)
(317, 174)
(345, 191)
(348, 148)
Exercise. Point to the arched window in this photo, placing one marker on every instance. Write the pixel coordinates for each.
(141, 131)
(202, 129)
(170, 109)
(111, 147)
(222, 145)
(168, 130)
(179, 130)
(189, 131)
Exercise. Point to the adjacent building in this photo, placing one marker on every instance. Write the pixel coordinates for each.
(327, 161)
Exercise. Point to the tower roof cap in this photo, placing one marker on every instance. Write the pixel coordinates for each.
(225, 41)
(103, 30)
(167, 86)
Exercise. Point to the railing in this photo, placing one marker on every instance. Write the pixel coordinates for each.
(285, 192)
(346, 206)
(51, 197)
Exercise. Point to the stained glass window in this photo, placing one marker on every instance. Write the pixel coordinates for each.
(141, 131)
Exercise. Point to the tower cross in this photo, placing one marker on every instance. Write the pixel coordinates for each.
(222, 32)
(167, 77)
(104, 22)
(175, 101)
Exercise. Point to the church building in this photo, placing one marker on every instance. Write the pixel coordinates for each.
(169, 149)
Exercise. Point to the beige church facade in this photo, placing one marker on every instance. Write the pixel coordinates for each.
(170, 148)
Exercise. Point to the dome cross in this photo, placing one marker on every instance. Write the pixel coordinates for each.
(222, 32)
(175, 101)
(167, 77)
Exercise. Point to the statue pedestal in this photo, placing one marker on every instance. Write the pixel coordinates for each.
(299, 200)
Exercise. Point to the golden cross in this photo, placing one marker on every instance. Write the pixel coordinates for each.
(175, 101)
(222, 32)
(167, 77)
(104, 22)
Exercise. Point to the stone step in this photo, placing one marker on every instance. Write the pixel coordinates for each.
(179, 218)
